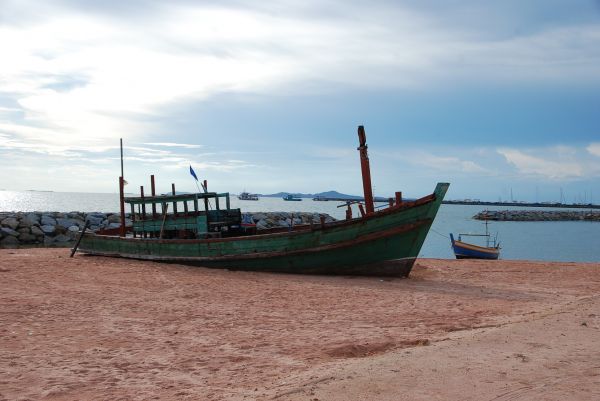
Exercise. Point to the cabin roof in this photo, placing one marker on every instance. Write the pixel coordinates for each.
(174, 198)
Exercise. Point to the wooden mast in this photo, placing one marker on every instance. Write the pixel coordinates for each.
(366, 170)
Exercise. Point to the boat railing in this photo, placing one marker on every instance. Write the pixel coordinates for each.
(488, 238)
(190, 214)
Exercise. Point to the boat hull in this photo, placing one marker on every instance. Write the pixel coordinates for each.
(463, 250)
(385, 243)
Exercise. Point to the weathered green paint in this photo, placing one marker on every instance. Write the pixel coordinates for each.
(360, 246)
(195, 223)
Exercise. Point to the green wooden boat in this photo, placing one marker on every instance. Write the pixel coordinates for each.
(202, 229)
(384, 243)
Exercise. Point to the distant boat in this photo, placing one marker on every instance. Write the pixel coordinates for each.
(247, 196)
(320, 198)
(464, 250)
(290, 197)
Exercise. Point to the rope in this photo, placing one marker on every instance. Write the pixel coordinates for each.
(440, 234)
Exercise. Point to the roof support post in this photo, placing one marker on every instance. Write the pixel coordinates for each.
(122, 205)
(153, 193)
(143, 220)
(174, 202)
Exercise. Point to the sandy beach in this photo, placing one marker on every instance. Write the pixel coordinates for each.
(96, 328)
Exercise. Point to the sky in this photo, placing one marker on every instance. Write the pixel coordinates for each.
(501, 99)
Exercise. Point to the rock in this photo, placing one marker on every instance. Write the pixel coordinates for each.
(9, 232)
(115, 218)
(10, 222)
(9, 241)
(29, 220)
(258, 216)
(35, 230)
(94, 220)
(114, 225)
(62, 238)
(48, 229)
(27, 238)
(65, 222)
(47, 220)
(74, 229)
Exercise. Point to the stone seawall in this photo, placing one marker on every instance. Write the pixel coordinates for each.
(61, 229)
(538, 215)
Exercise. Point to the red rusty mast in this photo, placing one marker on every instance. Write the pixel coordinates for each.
(366, 170)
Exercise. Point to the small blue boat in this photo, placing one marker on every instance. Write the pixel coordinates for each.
(464, 250)
(290, 197)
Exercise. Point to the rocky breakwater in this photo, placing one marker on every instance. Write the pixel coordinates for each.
(51, 228)
(61, 229)
(538, 215)
(264, 220)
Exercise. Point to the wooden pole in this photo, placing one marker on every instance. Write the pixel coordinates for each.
(365, 169)
(143, 211)
(398, 198)
(162, 226)
(133, 219)
(153, 192)
(85, 226)
(174, 202)
(121, 142)
(122, 204)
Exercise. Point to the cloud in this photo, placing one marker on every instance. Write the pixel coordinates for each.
(172, 144)
(84, 74)
(559, 163)
(443, 163)
(594, 149)
(452, 164)
(77, 75)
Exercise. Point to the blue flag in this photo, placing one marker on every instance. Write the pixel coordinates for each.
(193, 173)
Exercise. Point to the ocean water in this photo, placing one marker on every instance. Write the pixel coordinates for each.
(576, 241)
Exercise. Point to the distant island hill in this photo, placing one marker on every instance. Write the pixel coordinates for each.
(323, 196)
(337, 196)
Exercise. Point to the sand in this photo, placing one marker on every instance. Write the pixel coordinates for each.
(96, 328)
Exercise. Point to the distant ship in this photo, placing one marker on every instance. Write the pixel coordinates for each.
(247, 196)
(290, 197)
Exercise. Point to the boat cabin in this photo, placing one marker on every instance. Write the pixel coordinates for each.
(185, 216)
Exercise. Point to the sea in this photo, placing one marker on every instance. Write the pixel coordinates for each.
(565, 241)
